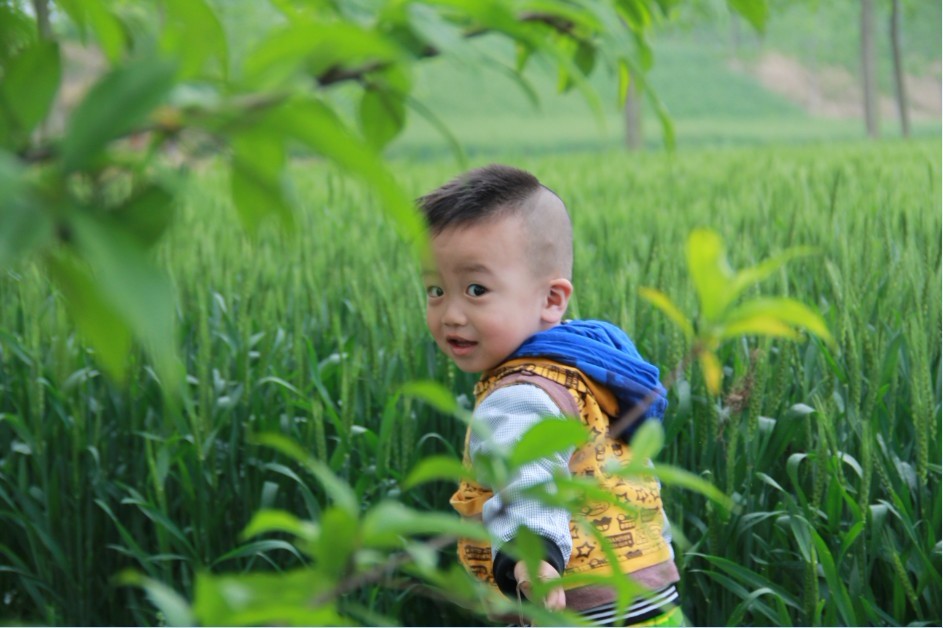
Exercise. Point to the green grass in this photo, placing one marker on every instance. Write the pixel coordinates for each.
(834, 456)
(710, 104)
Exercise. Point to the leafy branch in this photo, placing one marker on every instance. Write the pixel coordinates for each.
(720, 318)
(59, 200)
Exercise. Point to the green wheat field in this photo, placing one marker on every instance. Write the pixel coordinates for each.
(833, 455)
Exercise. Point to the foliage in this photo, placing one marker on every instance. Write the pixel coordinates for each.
(718, 287)
(296, 333)
(164, 467)
(85, 201)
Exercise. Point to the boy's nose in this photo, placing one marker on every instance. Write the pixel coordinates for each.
(453, 316)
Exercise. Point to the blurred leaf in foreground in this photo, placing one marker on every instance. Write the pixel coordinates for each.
(718, 287)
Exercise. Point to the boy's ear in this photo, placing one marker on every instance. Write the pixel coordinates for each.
(558, 297)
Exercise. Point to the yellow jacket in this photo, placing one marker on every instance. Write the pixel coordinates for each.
(636, 528)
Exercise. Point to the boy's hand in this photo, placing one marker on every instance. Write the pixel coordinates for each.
(556, 598)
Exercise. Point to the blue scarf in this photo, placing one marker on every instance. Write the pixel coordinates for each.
(606, 354)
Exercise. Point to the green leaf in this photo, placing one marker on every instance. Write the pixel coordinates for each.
(140, 293)
(130, 541)
(493, 15)
(264, 599)
(340, 537)
(312, 48)
(171, 604)
(710, 272)
(161, 520)
(115, 105)
(582, 21)
(755, 274)
(269, 521)
(443, 130)
(751, 579)
(388, 523)
(531, 549)
(17, 30)
(661, 111)
(635, 13)
(522, 54)
(98, 320)
(29, 85)
(24, 225)
(106, 27)
(792, 470)
(360, 615)
(685, 479)
(147, 215)
(836, 581)
(585, 57)
(666, 305)
(759, 325)
(632, 76)
(338, 490)
(712, 370)
(382, 116)
(445, 36)
(567, 47)
(547, 437)
(257, 177)
(736, 617)
(647, 441)
(849, 538)
(255, 549)
(625, 81)
(433, 393)
(193, 32)
(784, 310)
(756, 12)
(317, 126)
(436, 468)
(558, 51)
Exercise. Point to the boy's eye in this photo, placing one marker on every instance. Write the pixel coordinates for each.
(476, 290)
(434, 291)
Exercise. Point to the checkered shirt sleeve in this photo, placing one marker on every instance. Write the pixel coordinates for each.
(508, 413)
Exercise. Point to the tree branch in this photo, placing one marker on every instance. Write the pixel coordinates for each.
(338, 74)
(256, 102)
(43, 25)
(357, 581)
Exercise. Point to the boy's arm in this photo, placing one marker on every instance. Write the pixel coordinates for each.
(508, 413)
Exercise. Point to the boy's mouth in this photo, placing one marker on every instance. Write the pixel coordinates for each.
(460, 346)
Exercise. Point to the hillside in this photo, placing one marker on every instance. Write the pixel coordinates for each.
(711, 99)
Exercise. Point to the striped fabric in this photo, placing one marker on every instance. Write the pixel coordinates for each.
(643, 611)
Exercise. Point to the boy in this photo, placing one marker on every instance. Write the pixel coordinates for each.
(497, 290)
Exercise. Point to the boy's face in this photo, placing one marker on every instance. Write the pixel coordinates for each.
(483, 297)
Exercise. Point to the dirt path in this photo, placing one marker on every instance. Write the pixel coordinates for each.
(835, 93)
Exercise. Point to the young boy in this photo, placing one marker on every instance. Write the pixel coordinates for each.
(498, 285)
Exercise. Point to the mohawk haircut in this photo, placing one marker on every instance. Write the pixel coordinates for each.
(486, 192)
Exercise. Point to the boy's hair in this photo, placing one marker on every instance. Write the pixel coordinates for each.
(496, 191)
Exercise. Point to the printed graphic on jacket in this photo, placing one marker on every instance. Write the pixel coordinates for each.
(636, 528)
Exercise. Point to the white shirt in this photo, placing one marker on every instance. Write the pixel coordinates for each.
(508, 413)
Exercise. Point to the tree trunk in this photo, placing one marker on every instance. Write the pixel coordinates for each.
(868, 64)
(735, 34)
(900, 85)
(41, 8)
(633, 117)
